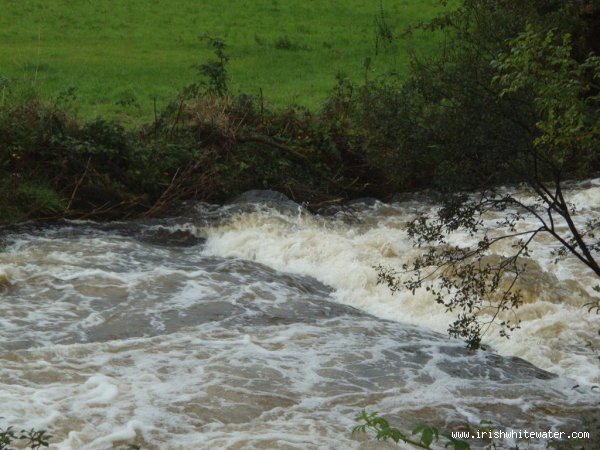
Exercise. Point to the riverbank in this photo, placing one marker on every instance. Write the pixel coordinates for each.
(469, 118)
(203, 146)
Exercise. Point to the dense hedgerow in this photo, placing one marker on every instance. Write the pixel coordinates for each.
(203, 146)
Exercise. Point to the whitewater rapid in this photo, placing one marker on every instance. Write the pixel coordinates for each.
(557, 333)
(262, 326)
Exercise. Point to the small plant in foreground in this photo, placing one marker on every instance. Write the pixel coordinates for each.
(428, 434)
(32, 438)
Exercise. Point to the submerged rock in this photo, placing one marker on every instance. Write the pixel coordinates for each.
(269, 198)
(171, 237)
(261, 196)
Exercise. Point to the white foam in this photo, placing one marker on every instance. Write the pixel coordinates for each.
(343, 256)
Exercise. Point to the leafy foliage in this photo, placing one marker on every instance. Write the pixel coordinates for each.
(564, 93)
(34, 439)
(427, 435)
(454, 114)
(215, 71)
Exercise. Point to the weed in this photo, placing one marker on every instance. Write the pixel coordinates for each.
(383, 31)
(32, 438)
(426, 434)
(215, 71)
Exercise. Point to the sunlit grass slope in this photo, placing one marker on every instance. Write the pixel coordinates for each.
(120, 55)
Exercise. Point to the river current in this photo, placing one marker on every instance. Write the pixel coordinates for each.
(262, 326)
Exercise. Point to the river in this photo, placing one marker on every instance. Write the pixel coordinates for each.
(262, 326)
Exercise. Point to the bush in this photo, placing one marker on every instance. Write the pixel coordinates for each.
(451, 116)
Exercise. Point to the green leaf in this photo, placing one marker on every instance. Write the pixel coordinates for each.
(428, 434)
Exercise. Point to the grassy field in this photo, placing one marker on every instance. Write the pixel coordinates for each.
(120, 55)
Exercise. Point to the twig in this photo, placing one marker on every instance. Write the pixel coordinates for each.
(78, 184)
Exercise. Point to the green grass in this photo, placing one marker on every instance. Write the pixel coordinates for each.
(113, 52)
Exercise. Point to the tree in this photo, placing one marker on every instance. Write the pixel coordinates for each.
(537, 91)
